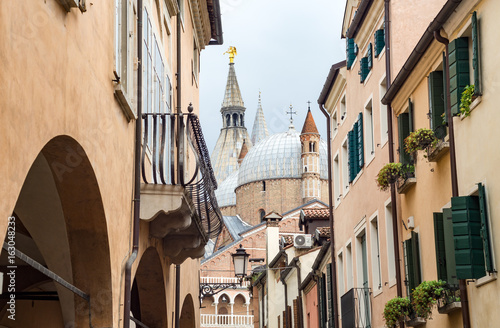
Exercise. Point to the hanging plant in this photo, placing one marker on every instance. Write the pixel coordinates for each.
(467, 99)
(396, 310)
(420, 140)
(389, 174)
(425, 295)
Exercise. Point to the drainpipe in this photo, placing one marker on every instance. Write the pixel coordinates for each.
(137, 175)
(464, 299)
(177, 295)
(333, 285)
(394, 210)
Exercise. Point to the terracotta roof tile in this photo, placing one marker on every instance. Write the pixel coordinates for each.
(324, 232)
(316, 213)
(309, 124)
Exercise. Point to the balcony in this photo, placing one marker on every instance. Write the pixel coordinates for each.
(178, 203)
(226, 320)
(404, 183)
(224, 281)
(355, 308)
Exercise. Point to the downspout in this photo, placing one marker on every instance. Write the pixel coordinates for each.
(464, 299)
(333, 285)
(137, 176)
(394, 210)
(178, 76)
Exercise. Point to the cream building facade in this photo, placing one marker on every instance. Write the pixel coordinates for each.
(70, 110)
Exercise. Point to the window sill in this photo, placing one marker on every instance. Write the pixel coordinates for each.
(357, 177)
(486, 279)
(124, 102)
(377, 292)
(368, 77)
(403, 185)
(435, 153)
(369, 159)
(393, 282)
(474, 104)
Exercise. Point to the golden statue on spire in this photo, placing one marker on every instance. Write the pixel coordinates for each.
(232, 52)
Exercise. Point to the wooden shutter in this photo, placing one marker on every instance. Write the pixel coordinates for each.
(475, 54)
(459, 71)
(440, 247)
(363, 69)
(295, 314)
(485, 233)
(352, 155)
(320, 303)
(412, 262)
(369, 55)
(379, 41)
(469, 255)
(404, 131)
(436, 102)
(408, 257)
(351, 52)
(361, 150)
(410, 116)
(329, 285)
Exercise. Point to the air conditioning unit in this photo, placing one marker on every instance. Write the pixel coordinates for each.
(302, 241)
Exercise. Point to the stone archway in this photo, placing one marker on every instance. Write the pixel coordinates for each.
(62, 225)
(149, 304)
(187, 318)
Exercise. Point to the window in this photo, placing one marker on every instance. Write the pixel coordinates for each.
(366, 64)
(196, 62)
(404, 130)
(343, 108)
(356, 149)
(348, 267)
(125, 51)
(362, 277)
(370, 143)
(263, 186)
(351, 52)
(262, 213)
(412, 262)
(445, 248)
(336, 179)
(340, 269)
(437, 96)
(375, 254)
(391, 264)
(471, 235)
(345, 168)
(312, 147)
(384, 131)
(329, 293)
(379, 41)
(322, 301)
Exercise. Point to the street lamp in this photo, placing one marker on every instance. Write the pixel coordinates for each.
(240, 260)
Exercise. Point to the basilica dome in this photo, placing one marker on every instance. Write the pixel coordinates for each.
(225, 193)
(278, 156)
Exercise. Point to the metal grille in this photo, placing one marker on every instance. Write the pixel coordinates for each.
(356, 309)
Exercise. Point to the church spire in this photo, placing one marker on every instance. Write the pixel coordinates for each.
(232, 97)
(259, 130)
(309, 124)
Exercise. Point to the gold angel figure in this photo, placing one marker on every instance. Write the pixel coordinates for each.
(232, 52)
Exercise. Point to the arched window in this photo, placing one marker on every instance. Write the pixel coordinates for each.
(242, 123)
(235, 119)
(312, 146)
(262, 213)
(263, 186)
(228, 120)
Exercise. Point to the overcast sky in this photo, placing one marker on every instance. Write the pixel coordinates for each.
(285, 50)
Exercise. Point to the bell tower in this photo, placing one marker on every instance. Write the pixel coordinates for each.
(309, 139)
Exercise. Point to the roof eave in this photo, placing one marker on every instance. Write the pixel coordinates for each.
(330, 80)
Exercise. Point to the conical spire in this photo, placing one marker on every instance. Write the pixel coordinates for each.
(243, 152)
(309, 124)
(232, 97)
(259, 130)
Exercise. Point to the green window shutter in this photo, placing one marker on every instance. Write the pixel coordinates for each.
(379, 41)
(363, 69)
(440, 247)
(459, 71)
(475, 54)
(320, 303)
(485, 233)
(329, 293)
(445, 92)
(451, 267)
(369, 55)
(408, 251)
(404, 131)
(361, 151)
(352, 155)
(355, 148)
(436, 102)
(351, 50)
(469, 253)
(416, 259)
(410, 116)
(323, 297)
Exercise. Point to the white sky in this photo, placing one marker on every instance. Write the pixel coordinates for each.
(285, 50)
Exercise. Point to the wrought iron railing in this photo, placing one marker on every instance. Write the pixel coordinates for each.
(226, 320)
(356, 308)
(164, 142)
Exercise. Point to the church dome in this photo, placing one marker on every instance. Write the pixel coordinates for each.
(278, 156)
(225, 193)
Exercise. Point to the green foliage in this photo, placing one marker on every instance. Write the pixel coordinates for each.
(396, 310)
(390, 172)
(425, 296)
(420, 140)
(466, 100)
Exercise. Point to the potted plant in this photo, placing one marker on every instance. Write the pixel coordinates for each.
(420, 140)
(468, 97)
(396, 310)
(389, 174)
(425, 296)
